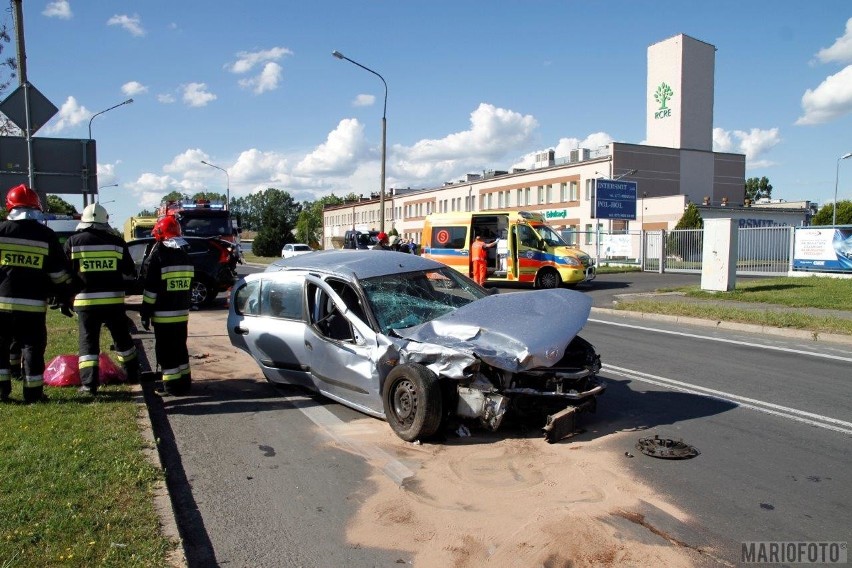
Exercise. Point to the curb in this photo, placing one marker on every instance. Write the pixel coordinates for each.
(803, 334)
(151, 450)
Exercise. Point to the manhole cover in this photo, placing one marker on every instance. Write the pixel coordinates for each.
(666, 448)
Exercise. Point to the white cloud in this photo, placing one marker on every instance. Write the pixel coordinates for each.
(196, 94)
(841, 50)
(592, 142)
(266, 80)
(256, 167)
(722, 140)
(129, 23)
(246, 60)
(831, 99)
(133, 88)
(364, 100)
(754, 144)
(107, 175)
(166, 98)
(270, 74)
(149, 188)
(59, 9)
(344, 147)
(70, 114)
(189, 162)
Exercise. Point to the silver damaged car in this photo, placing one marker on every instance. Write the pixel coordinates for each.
(413, 342)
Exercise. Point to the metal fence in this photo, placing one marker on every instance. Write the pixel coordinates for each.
(761, 251)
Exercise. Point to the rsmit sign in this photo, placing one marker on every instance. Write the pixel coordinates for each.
(615, 200)
(662, 96)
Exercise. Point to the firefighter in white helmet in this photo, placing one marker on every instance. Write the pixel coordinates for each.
(99, 262)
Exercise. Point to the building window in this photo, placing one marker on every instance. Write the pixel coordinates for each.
(540, 195)
(563, 191)
(548, 193)
(526, 196)
(589, 234)
(489, 201)
(508, 198)
(574, 193)
(590, 189)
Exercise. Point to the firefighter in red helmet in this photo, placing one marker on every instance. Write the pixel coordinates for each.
(167, 275)
(32, 269)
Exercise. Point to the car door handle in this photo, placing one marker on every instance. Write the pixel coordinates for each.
(241, 330)
(308, 346)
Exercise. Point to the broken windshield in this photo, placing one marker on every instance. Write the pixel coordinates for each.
(405, 300)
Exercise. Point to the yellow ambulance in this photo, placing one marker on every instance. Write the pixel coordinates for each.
(527, 249)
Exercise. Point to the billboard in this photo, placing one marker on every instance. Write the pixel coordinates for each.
(615, 200)
(827, 249)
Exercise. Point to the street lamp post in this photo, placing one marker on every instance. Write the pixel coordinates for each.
(836, 181)
(227, 187)
(339, 55)
(128, 101)
(100, 187)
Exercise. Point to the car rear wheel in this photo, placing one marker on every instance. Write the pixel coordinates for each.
(201, 293)
(548, 278)
(412, 402)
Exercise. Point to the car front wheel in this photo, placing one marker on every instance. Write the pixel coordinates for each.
(548, 278)
(201, 293)
(412, 401)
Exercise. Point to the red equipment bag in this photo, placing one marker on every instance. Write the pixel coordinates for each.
(63, 371)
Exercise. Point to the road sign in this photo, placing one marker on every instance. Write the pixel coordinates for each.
(60, 165)
(615, 200)
(41, 109)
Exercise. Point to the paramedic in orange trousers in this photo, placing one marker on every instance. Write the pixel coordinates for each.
(477, 256)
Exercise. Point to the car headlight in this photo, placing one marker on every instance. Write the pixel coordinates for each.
(572, 261)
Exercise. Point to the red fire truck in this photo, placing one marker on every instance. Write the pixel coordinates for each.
(202, 218)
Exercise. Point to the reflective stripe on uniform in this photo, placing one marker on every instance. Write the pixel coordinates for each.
(176, 373)
(96, 251)
(22, 305)
(99, 298)
(177, 271)
(34, 381)
(125, 356)
(86, 361)
(149, 297)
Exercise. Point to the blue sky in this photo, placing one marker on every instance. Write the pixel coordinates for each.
(252, 87)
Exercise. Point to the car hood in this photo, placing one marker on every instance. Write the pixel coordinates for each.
(513, 331)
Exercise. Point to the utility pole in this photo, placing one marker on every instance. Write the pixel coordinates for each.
(22, 77)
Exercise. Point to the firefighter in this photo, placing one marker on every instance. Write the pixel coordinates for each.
(167, 276)
(32, 269)
(99, 261)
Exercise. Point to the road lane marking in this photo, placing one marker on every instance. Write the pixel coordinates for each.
(802, 416)
(337, 430)
(723, 340)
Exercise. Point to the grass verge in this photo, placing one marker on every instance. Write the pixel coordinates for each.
(75, 487)
(802, 293)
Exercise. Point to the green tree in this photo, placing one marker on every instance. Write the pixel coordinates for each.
(310, 222)
(277, 214)
(8, 71)
(210, 196)
(59, 206)
(146, 213)
(757, 189)
(826, 212)
(687, 243)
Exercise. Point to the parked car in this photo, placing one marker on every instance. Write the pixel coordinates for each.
(295, 249)
(214, 260)
(414, 342)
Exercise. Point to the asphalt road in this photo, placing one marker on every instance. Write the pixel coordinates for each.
(255, 484)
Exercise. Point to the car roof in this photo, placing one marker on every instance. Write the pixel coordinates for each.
(357, 263)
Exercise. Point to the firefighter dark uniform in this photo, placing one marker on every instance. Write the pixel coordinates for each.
(32, 269)
(167, 274)
(99, 259)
